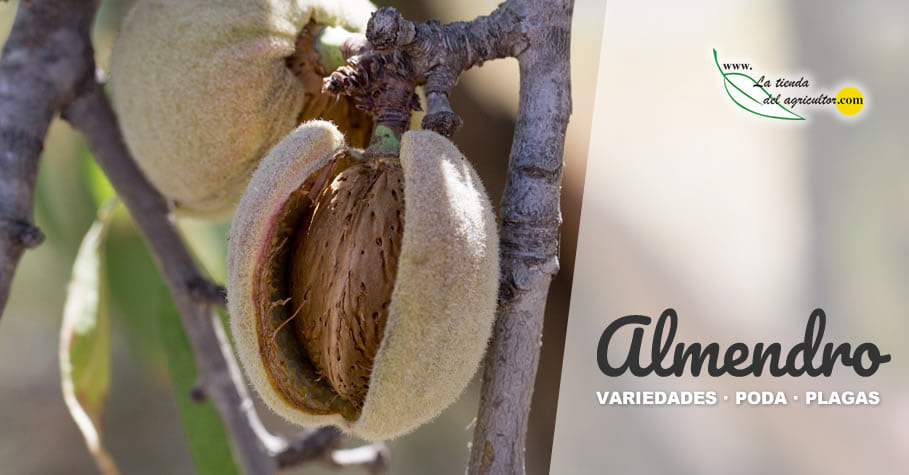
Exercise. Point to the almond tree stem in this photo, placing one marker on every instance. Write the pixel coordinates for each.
(529, 241)
(44, 59)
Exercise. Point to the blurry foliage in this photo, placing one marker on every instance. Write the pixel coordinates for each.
(205, 432)
(85, 339)
(149, 321)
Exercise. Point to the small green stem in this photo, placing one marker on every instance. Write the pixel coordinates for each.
(385, 142)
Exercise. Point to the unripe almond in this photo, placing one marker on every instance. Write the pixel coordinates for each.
(362, 292)
(204, 89)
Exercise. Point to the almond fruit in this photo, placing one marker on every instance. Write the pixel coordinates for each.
(204, 89)
(362, 292)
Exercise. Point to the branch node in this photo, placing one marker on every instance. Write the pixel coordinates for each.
(315, 445)
(440, 117)
(382, 83)
(444, 122)
(206, 291)
(387, 30)
(433, 54)
(26, 234)
(197, 393)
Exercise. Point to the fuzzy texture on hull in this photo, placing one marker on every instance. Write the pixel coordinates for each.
(443, 302)
(202, 89)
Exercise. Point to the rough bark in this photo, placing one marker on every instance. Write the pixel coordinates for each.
(529, 238)
(44, 59)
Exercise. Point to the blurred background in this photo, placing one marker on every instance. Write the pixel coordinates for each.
(743, 225)
(141, 427)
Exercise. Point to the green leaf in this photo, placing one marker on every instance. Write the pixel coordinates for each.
(729, 80)
(209, 444)
(98, 185)
(208, 244)
(85, 344)
(137, 294)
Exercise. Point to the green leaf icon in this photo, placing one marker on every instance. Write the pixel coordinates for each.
(786, 115)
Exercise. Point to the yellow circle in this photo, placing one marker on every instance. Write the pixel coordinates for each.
(849, 101)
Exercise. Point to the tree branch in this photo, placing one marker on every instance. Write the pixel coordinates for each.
(529, 243)
(44, 58)
(316, 445)
(531, 218)
(426, 53)
(205, 290)
(440, 53)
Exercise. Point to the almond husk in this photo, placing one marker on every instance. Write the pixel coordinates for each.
(442, 305)
(199, 114)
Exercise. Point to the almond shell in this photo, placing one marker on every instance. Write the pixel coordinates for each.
(444, 298)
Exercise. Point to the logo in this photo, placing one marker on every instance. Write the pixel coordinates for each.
(806, 357)
(809, 357)
(783, 98)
